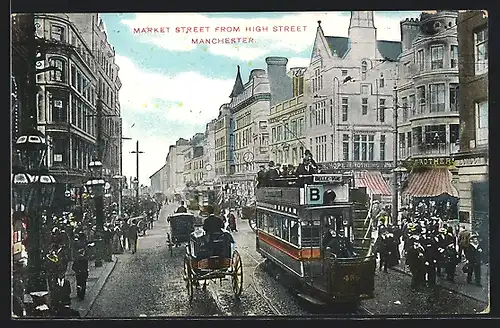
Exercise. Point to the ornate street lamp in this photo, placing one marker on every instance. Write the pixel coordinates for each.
(33, 191)
(96, 186)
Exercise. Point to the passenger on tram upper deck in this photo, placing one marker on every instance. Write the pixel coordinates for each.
(307, 154)
(272, 172)
(261, 177)
(305, 168)
(284, 171)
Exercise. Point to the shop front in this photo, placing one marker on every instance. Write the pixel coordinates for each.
(473, 186)
(432, 181)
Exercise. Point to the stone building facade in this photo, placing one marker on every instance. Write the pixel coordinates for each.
(250, 110)
(472, 160)
(67, 99)
(349, 95)
(428, 94)
(224, 158)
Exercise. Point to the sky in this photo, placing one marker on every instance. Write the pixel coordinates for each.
(171, 87)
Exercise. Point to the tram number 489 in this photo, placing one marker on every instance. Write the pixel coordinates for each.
(351, 277)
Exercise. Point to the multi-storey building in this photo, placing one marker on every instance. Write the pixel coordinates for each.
(193, 158)
(175, 167)
(473, 158)
(22, 31)
(287, 124)
(67, 98)
(427, 92)
(223, 155)
(250, 103)
(349, 93)
(209, 151)
(157, 180)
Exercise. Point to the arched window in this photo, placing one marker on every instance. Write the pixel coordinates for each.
(58, 75)
(364, 66)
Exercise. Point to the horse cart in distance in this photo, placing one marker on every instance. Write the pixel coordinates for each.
(212, 257)
(181, 227)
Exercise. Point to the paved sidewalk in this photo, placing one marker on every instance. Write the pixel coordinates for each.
(97, 279)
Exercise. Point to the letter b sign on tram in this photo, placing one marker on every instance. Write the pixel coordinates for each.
(314, 194)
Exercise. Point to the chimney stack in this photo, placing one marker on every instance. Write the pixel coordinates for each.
(280, 83)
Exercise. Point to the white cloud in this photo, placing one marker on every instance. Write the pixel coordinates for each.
(144, 91)
(333, 23)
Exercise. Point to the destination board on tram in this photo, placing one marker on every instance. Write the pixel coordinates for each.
(328, 178)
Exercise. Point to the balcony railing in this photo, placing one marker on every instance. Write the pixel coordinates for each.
(429, 149)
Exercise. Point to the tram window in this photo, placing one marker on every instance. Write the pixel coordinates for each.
(265, 222)
(277, 226)
(285, 233)
(270, 223)
(294, 232)
(260, 221)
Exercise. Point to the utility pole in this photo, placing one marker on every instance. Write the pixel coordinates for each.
(395, 158)
(99, 196)
(120, 194)
(137, 152)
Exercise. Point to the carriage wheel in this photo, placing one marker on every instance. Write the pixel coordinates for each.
(188, 276)
(237, 266)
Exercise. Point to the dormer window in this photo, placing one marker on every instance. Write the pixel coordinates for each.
(364, 67)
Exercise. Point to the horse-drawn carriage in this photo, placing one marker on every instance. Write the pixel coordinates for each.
(212, 257)
(181, 227)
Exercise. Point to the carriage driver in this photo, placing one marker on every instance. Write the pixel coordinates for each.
(212, 224)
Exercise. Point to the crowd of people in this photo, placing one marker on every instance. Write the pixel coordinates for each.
(70, 236)
(429, 245)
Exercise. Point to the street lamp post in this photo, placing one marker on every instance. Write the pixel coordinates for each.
(34, 189)
(120, 181)
(96, 186)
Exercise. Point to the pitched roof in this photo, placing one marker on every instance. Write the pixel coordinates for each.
(339, 46)
(238, 87)
(389, 49)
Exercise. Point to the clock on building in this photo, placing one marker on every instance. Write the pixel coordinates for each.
(248, 157)
(208, 167)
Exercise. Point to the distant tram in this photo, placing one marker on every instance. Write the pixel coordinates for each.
(295, 215)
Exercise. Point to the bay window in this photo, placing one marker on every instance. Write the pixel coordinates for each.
(437, 97)
(437, 57)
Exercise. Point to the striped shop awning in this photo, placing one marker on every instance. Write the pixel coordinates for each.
(430, 183)
(373, 181)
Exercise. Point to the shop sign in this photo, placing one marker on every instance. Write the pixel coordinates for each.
(434, 162)
(472, 161)
(360, 165)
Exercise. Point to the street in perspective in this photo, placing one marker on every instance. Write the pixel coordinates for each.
(346, 177)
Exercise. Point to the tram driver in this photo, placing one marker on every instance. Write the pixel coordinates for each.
(337, 244)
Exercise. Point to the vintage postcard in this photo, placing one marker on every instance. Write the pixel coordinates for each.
(250, 164)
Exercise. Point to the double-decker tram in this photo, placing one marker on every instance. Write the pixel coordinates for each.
(313, 229)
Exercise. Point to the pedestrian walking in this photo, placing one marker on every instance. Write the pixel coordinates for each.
(416, 261)
(133, 235)
(473, 254)
(451, 260)
(464, 237)
(81, 269)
